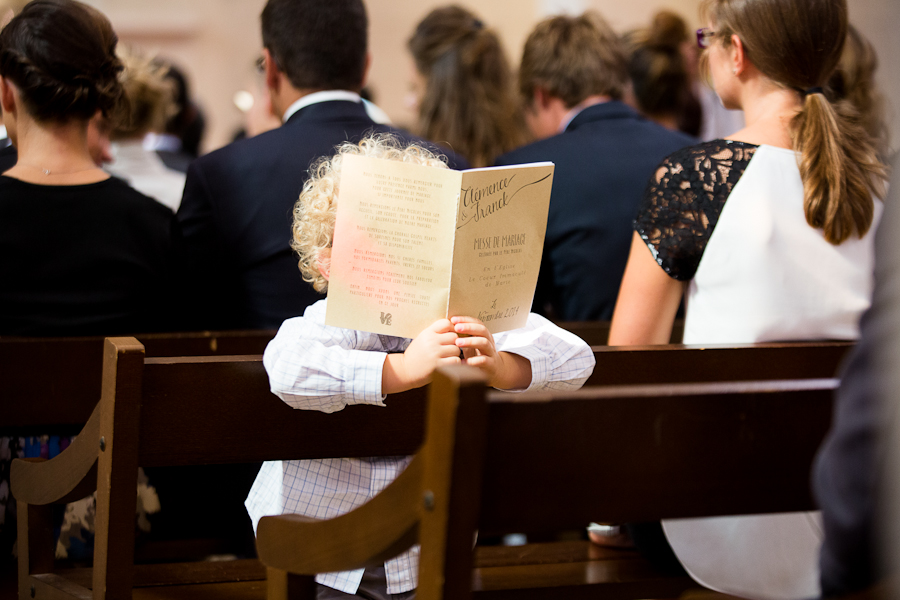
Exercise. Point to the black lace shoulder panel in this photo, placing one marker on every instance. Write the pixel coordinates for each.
(683, 201)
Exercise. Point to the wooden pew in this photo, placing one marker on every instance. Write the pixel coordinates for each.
(678, 363)
(171, 412)
(498, 463)
(51, 385)
(202, 410)
(596, 333)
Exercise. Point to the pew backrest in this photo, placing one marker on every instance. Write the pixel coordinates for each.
(678, 363)
(51, 385)
(499, 463)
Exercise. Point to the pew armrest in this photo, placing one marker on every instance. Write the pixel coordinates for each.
(69, 476)
(365, 536)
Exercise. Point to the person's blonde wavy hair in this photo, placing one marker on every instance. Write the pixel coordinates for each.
(149, 94)
(314, 212)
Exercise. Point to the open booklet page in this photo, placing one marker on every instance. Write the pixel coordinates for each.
(499, 240)
(393, 246)
(413, 244)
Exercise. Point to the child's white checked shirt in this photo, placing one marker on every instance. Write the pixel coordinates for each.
(315, 367)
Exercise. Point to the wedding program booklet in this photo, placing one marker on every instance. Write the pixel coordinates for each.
(414, 244)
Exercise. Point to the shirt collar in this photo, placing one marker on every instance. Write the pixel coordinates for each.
(316, 97)
(161, 141)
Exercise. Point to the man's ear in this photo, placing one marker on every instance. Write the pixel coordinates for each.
(7, 98)
(273, 73)
(365, 77)
(541, 98)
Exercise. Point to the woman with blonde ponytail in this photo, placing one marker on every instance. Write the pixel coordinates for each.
(768, 237)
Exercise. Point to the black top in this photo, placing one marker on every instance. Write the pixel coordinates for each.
(603, 161)
(237, 213)
(684, 199)
(94, 259)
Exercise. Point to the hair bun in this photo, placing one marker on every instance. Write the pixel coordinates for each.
(61, 56)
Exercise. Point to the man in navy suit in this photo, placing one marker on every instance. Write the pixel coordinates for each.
(237, 207)
(572, 77)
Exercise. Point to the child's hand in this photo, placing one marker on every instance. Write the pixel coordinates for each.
(505, 371)
(435, 346)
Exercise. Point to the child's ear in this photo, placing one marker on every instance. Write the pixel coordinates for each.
(323, 263)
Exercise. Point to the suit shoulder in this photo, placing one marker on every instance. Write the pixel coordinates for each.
(245, 149)
(535, 151)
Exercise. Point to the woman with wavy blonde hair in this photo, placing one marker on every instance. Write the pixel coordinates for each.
(767, 235)
(151, 100)
(464, 87)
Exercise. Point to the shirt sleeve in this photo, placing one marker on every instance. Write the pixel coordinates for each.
(315, 367)
(560, 360)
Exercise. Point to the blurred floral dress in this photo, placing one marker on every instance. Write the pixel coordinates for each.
(76, 529)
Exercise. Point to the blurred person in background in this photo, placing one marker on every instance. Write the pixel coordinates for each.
(179, 142)
(237, 203)
(150, 95)
(463, 87)
(571, 80)
(661, 85)
(671, 30)
(854, 81)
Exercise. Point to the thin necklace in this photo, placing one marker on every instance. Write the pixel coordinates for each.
(49, 172)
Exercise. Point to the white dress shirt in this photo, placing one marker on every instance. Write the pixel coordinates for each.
(375, 113)
(315, 367)
(145, 171)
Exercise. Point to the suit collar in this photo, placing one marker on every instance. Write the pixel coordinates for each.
(614, 109)
(323, 96)
(330, 110)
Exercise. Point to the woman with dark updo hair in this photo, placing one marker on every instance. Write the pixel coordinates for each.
(81, 253)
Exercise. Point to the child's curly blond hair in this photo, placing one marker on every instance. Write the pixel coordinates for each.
(314, 212)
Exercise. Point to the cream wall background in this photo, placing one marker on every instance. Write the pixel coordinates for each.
(217, 41)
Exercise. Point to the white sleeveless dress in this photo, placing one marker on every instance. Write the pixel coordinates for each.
(766, 275)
